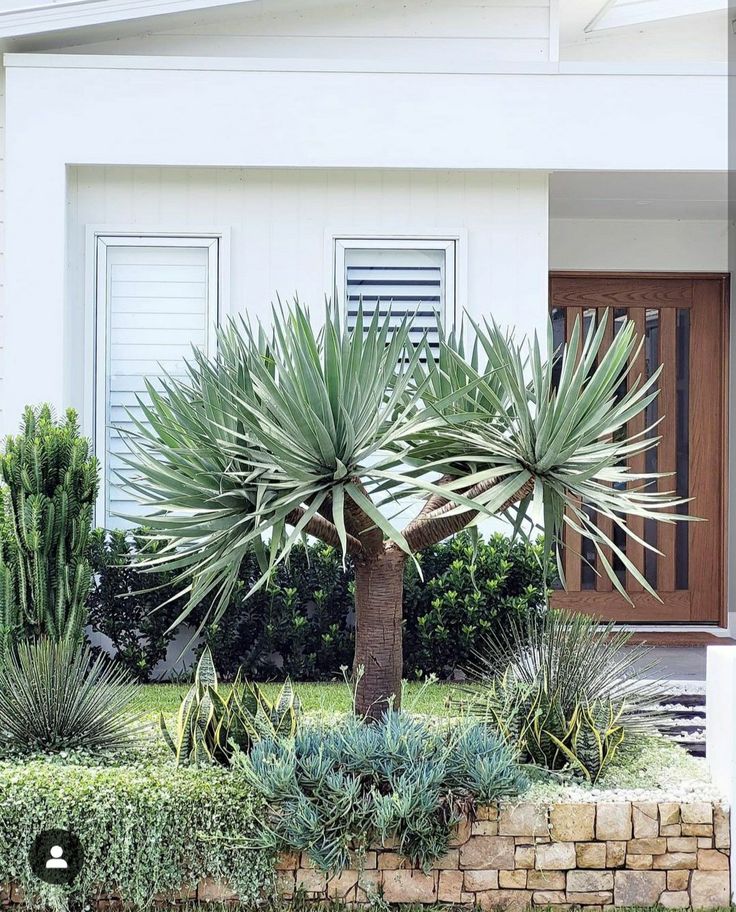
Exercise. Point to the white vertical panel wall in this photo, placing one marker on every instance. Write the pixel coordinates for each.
(152, 307)
(282, 225)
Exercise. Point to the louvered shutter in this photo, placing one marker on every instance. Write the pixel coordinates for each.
(399, 282)
(157, 307)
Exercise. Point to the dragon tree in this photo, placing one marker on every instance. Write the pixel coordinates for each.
(336, 433)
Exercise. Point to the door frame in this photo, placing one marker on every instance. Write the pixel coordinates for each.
(725, 279)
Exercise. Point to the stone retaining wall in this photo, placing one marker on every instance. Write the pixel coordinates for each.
(590, 855)
(594, 856)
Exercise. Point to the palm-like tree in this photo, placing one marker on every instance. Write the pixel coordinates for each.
(292, 431)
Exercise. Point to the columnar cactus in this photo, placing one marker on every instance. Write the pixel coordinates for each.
(50, 486)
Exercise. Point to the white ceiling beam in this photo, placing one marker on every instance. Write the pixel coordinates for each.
(623, 13)
(34, 19)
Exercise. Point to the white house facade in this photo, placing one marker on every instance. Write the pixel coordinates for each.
(171, 162)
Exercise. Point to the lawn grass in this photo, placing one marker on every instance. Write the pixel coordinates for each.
(317, 699)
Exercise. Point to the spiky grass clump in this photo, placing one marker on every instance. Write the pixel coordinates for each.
(53, 697)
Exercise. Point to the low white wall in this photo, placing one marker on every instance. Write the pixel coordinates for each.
(721, 726)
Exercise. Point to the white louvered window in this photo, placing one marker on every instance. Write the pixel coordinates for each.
(156, 298)
(400, 278)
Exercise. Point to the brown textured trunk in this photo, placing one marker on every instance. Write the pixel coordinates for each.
(379, 584)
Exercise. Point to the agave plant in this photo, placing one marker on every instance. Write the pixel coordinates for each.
(53, 697)
(211, 724)
(565, 691)
(292, 431)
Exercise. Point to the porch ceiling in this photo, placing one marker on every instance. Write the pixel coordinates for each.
(639, 195)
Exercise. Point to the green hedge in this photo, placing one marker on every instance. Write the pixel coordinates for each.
(302, 625)
(140, 827)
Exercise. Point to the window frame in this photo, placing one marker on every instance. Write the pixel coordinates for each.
(446, 243)
(99, 241)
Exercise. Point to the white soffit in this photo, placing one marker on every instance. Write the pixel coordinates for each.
(639, 195)
(26, 17)
(622, 13)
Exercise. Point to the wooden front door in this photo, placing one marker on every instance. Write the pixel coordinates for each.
(684, 321)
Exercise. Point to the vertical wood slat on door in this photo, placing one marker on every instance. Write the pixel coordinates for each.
(707, 373)
(603, 580)
(667, 450)
(634, 550)
(573, 542)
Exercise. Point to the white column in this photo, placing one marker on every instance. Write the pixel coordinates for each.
(721, 726)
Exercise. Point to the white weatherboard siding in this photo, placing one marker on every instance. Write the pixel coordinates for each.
(282, 223)
(485, 30)
(152, 306)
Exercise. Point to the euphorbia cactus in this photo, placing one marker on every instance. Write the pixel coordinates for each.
(50, 486)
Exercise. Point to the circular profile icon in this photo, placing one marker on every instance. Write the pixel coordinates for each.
(56, 857)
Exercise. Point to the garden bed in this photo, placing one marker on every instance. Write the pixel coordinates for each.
(653, 831)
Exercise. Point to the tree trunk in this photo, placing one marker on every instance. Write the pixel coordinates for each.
(379, 585)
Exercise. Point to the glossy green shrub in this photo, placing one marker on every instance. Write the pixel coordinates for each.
(144, 828)
(356, 784)
(302, 625)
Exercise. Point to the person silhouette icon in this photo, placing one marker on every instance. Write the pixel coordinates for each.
(56, 857)
(56, 862)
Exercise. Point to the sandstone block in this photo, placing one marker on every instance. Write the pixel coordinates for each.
(613, 821)
(486, 812)
(704, 842)
(488, 852)
(369, 885)
(591, 854)
(678, 900)
(555, 856)
(678, 860)
(480, 881)
(484, 828)
(287, 861)
(682, 844)
(589, 881)
(709, 889)
(409, 887)
(712, 860)
(524, 856)
(549, 897)
(449, 862)
(639, 862)
(310, 881)
(656, 846)
(450, 887)
(505, 900)
(599, 898)
(721, 828)
(461, 834)
(572, 822)
(697, 812)
(546, 880)
(390, 861)
(674, 829)
(512, 880)
(615, 854)
(343, 885)
(211, 890)
(639, 888)
(364, 861)
(285, 881)
(669, 813)
(678, 880)
(522, 820)
(645, 818)
(697, 829)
